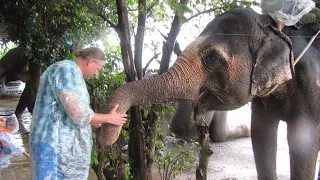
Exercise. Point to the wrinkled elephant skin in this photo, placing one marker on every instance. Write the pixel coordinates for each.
(239, 57)
(296, 102)
(214, 67)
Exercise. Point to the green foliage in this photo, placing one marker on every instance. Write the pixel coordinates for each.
(3, 51)
(219, 6)
(105, 8)
(179, 9)
(100, 88)
(115, 158)
(175, 158)
(160, 10)
(109, 78)
(234, 3)
(127, 174)
(94, 155)
(159, 110)
(44, 27)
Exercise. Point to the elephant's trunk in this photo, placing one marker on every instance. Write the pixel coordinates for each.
(181, 82)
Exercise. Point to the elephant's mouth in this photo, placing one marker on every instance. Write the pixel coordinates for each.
(198, 109)
(196, 101)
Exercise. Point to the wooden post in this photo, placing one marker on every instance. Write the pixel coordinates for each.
(205, 151)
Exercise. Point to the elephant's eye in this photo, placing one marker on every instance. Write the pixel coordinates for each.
(213, 61)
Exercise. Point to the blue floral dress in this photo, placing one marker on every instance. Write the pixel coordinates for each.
(60, 134)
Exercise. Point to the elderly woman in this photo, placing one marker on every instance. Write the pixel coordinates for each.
(60, 133)
(286, 12)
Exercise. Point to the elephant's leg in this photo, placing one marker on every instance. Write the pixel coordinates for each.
(218, 128)
(264, 141)
(183, 125)
(220, 131)
(303, 148)
(23, 102)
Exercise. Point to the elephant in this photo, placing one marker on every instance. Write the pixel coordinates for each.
(295, 102)
(242, 57)
(15, 65)
(184, 126)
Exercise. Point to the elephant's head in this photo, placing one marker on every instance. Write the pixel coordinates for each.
(15, 65)
(238, 56)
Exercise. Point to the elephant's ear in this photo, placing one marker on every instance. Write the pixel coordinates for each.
(273, 63)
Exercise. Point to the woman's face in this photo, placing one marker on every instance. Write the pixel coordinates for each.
(94, 66)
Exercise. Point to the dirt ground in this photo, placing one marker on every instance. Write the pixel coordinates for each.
(231, 159)
(234, 158)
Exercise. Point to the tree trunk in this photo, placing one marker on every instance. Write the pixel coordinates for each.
(205, 151)
(136, 145)
(140, 37)
(125, 43)
(164, 65)
(169, 45)
(136, 142)
(98, 169)
(151, 132)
